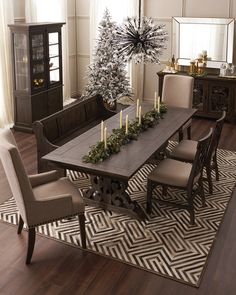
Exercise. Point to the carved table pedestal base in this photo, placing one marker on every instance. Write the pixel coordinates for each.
(111, 194)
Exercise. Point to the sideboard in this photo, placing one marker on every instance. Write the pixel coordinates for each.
(211, 95)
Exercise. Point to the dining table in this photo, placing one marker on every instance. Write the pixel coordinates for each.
(110, 178)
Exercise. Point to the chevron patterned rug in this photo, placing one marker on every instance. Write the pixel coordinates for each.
(165, 243)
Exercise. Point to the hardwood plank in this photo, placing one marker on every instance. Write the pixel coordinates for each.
(62, 269)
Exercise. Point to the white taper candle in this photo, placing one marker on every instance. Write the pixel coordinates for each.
(137, 108)
(102, 131)
(126, 124)
(121, 118)
(155, 100)
(105, 137)
(158, 104)
(139, 115)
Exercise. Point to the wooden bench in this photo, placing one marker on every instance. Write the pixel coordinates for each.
(62, 126)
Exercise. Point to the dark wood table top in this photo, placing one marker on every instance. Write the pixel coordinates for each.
(132, 156)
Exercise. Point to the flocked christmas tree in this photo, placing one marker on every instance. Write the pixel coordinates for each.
(107, 74)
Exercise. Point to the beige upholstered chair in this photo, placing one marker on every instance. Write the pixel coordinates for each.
(186, 150)
(40, 198)
(181, 175)
(177, 91)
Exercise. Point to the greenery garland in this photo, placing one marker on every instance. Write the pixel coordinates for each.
(98, 153)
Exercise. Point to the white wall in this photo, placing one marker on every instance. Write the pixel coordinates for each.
(162, 12)
(19, 10)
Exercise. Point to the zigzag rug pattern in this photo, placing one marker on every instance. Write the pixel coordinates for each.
(164, 243)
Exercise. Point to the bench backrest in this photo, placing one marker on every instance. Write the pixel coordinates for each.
(63, 123)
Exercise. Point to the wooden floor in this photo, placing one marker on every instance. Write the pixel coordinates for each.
(61, 269)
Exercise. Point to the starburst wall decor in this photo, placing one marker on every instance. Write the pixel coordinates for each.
(141, 40)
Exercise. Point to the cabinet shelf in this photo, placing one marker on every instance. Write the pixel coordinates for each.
(51, 44)
(53, 69)
(37, 46)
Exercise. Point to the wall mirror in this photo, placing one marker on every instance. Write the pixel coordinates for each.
(193, 35)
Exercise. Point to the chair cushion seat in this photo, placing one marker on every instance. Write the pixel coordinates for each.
(185, 151)
(60, 187)
(171, 172)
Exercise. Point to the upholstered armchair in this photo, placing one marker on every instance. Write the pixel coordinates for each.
(177, 91)
(40, 198)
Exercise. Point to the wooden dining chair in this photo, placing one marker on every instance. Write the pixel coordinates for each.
(177, 91)
(181, 175)
(40, 198)
(186, 150)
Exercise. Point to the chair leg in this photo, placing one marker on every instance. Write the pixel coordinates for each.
(209, 179)
(164, 190)
(189, 132)
(191, 207)
(82, 230)
(31, 242)
(149, 197)
(202, 194)
(216, 167)
(181, 135)
(20, 225)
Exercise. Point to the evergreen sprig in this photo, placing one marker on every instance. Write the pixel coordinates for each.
(98, 153)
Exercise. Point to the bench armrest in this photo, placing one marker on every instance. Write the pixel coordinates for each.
(44, 146)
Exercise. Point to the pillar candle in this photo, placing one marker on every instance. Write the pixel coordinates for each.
(139, 115)
(158, 104)
(126, 124)
(121, 119)
(105, 137)
(137, 108)
(102, 131)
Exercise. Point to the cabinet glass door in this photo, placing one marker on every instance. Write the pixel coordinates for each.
(38, 60)
(54, 58)
(198, 96)
(21, 62)
(219, 97)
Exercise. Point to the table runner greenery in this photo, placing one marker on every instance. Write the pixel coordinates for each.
(99, 153)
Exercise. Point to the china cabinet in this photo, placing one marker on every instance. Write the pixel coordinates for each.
(37, 72)
(211, 95)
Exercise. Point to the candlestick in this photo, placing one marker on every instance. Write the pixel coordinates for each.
(126, 124)
(158, 104)
(121, 119)
(139, 115)
(102, 131)
(137, 108)
(105, 137)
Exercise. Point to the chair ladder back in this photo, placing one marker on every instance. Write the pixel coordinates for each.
(216, 136)
(200, 157)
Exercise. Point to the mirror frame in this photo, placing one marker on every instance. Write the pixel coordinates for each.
(176, 23)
